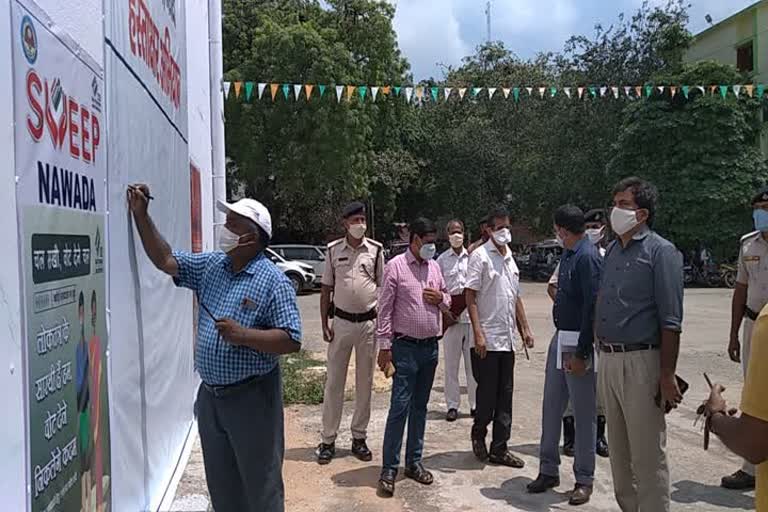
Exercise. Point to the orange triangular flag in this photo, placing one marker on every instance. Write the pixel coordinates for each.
(712, 89)
(419, 92)
(385, 90)
(750, 89)
(639, 91)
(238, 86)
(350, 92)
(673, 89)
(308, 90)
(273, 89)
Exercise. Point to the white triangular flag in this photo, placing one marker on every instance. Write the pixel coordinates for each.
(603, 90)
(581, 92)
(615, 91)
(227, 85)
(530, 90)
(542, 90)
(261, 89)
(408, 94)
(339, 93)
(447, 92)
(491, 92)
(701, 88)
(374, 92)
(627, 91)
(567, 91)
(506, 91)
(737, 90)
(462, 92)
(661, 89)
(296, 91)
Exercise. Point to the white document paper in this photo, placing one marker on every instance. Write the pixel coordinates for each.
(567, 341)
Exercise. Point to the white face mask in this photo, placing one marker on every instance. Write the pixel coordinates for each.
(456, 240)
(559, 240)
(427, 251)
(228, 241)
(622, 221)
(502, 236)
(357, 231)
(595, 235)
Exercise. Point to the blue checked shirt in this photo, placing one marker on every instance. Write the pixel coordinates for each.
(258, 297)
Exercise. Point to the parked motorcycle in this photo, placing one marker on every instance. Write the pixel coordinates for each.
(728, 275)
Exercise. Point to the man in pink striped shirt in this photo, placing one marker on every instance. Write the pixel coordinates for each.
(411, 299)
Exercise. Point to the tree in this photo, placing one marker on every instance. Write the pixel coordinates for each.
(701, 153)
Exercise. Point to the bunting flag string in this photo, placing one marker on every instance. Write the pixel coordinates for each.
(244, 91)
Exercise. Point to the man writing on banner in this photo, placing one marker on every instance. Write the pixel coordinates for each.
(248, 317)
(457, 336)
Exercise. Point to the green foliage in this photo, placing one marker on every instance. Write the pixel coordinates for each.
(299, 385)
(703, 156)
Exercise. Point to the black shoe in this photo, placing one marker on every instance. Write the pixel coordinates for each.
(386, 487)
(569, 436)
(361, 451)
(418, 473)
(739, 481)
(452, 415)
(479, 449)
(506, 459)
(543, 483)
(601, 448)
(580, 494)
(325, 453)
(472, 413)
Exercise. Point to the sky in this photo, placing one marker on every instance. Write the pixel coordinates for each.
(437, 33)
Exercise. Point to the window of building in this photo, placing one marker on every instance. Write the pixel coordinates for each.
(744, 58)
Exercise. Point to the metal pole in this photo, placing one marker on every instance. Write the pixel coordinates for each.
(218, 152)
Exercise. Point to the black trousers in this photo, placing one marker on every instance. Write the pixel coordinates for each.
(241, 432)
(495, 381)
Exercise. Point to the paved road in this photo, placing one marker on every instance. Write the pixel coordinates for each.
(464, 484)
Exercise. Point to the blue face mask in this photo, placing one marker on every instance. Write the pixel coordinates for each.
(760, 217)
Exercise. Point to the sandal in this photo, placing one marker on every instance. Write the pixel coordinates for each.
(418, 473)
(387, 483)
(506, 459)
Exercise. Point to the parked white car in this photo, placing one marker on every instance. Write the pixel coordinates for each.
(312, 255)
(301, 275)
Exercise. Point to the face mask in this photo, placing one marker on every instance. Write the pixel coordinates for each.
(457, 240)
(357, 231)
(427, 251)
(594, 235)
(228, 241)
(502, 236)
(623, 221)
(559, 239)
(760, 217)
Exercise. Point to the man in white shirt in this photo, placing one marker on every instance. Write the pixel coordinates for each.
(457, 336)
(496, 310)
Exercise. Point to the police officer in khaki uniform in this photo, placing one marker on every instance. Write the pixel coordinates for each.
(353, 269)
(749, 297)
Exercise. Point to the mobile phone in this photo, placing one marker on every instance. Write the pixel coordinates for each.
(680, 384)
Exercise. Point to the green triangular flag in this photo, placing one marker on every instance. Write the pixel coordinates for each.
(648, 91)
(593, 91)
(361, 91)
(723, 91)
(286, 90)
(322, 90)
(553, 91)
(476, 91)
(516, 93)
(686, 89)
(760, 90)
(433, 90)
(397, 90)
(248, 90)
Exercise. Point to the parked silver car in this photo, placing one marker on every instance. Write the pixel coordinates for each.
(312, 255)
(301, 275)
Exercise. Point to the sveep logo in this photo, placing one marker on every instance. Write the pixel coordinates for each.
(29, 39)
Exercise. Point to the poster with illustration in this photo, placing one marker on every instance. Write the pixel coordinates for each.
(61, 170)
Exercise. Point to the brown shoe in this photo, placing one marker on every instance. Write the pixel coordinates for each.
(580, 494)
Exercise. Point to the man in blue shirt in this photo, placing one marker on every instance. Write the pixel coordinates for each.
(570, 365)
(248, 317)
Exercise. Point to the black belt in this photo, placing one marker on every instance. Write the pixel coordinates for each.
(626, 347)
(356, 318)
(750, 313)
(410, 339)
(221, 391)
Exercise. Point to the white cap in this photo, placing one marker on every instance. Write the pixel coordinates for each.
(250, 209)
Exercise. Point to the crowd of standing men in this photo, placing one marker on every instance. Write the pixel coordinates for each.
(618, 319)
